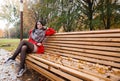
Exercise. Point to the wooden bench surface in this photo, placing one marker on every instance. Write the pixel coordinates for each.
(88, 55)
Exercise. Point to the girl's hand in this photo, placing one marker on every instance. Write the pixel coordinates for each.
(39, 44)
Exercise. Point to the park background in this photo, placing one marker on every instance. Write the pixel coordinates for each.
(62, 15)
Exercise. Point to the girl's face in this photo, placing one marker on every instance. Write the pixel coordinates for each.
(39, 25)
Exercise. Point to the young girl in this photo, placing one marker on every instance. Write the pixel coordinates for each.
(34, 44)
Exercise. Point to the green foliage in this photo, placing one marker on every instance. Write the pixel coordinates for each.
(71, 15)
(76, 15)
(108, 12)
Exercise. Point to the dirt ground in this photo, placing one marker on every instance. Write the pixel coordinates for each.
(8, 72)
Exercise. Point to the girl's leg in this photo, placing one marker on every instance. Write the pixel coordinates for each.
(22, 68)
(30, 48)
(24, 50)
(29, 45)
(23, 56)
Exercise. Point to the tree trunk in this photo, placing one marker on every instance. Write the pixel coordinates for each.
(90, 16)
(108, 15)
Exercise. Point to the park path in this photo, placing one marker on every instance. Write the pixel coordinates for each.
(8, 72)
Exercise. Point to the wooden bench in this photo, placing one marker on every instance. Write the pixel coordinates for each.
(77, 56)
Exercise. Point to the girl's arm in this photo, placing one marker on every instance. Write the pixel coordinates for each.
(49, 32)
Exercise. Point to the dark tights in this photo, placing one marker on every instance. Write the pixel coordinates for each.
(23, 48)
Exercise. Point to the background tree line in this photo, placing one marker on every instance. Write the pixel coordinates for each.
(65, 15)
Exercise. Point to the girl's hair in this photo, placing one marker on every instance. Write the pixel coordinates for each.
(43, 22)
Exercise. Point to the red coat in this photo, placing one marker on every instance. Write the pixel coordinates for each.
(40, 49)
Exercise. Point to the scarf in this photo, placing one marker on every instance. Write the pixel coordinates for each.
(38, 35)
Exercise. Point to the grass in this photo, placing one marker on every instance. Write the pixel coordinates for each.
(9, 44)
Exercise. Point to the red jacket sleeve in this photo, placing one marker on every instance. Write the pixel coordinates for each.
(49, 32)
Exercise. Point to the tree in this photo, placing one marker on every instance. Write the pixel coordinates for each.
(10, 13)
(66, 15)
(75, 15)
(108, 9)
(88, 8)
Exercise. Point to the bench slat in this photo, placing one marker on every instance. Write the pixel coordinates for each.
(79, 65)
(82, 75)
(90, 32)
(97, 61)
(77, 54)
(86, 51)
(44, 72)
(87, 43)
(116, 35)
(84, 39)
(54, 70)
(103, 48)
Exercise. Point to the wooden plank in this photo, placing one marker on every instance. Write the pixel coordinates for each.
(116, 35)
(78, 55)
(103, 48)
(103, 76)
(44, 72)
(68, 70)
(57, 71)
(86, 51)
(84, 39)
(87, 43)
(93, 60)
(91, 32)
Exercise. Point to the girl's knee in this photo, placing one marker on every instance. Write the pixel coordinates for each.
(24, 47)
(23, 41)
